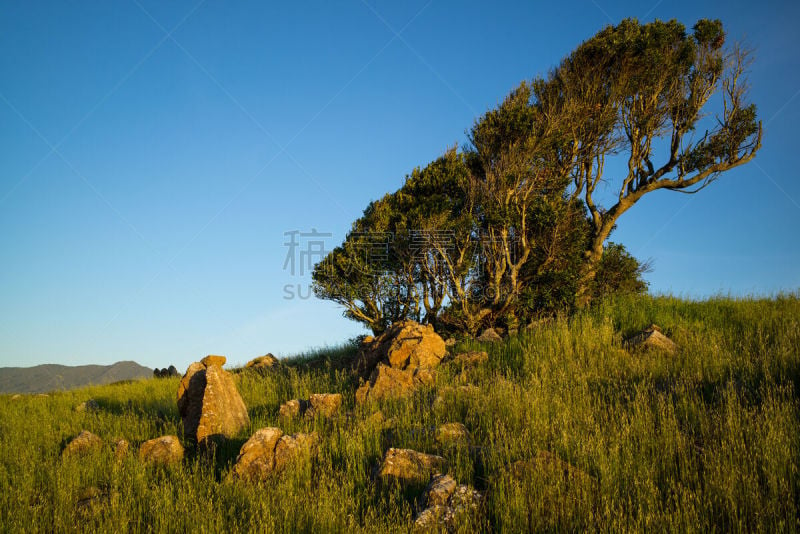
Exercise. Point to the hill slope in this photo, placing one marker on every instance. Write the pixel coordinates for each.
(706, 439)
(53, 377)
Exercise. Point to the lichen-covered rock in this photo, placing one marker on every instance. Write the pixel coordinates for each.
(83, 443)
(164, 450)
(446, 505)
(256, 458)
(269, 451)
(266, 361)
(213, 359)
(209, 403)
(292, 408)
(384, 383)
(324, 404)
(407, 465)
(406, 344)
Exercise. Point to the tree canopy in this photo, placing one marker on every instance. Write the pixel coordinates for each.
(509, 227)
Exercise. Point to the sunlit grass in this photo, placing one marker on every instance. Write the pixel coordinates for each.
(707, 439)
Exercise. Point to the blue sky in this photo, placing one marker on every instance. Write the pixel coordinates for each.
(155, 153)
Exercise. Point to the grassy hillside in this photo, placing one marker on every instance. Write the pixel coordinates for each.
(53, 377)
(707, 439)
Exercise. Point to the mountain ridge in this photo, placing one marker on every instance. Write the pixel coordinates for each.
(56, 377)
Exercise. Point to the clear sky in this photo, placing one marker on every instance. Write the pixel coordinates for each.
(155, 153)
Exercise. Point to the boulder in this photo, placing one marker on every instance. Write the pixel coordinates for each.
(472, 358)
(87, 406)
(490, 335)
(650, 338)
(164, 450)
(452, 433)
(406, 344)
(406, 465)
(292, 408)
(384, 383)
(213, 359)
(83, 443)
(324, 404)
(266, 361)
(269, 451)
(209, 403)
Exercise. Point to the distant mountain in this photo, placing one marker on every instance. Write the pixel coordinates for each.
(52, 377)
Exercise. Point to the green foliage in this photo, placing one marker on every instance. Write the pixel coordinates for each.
(525, 237)
(704, 440)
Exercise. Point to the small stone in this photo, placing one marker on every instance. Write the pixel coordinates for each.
(213, 359)
(291, 409)
(16, 397)
(84, 443)
(324, 404)
(164, 450)
(451, 433)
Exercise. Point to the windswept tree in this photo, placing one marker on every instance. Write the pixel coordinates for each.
(642, 92)
(511, 227)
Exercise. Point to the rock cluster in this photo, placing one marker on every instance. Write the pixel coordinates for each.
(270, 451)
(324, 404)
(209, 403)
(399, 360)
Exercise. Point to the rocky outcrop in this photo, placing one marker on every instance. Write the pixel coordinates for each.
(267, 361)
(165, 450)
(323, 404)
(399, 360)
(209, 403)
(651, 338)
(405, 345)
(269, 451)
(409, 466)
(83, 443)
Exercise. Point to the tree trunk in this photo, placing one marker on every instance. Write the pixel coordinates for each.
(591, 262)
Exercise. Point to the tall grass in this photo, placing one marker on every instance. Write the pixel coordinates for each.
(707, 439)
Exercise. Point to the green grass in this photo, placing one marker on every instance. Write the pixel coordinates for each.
(704, 440)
